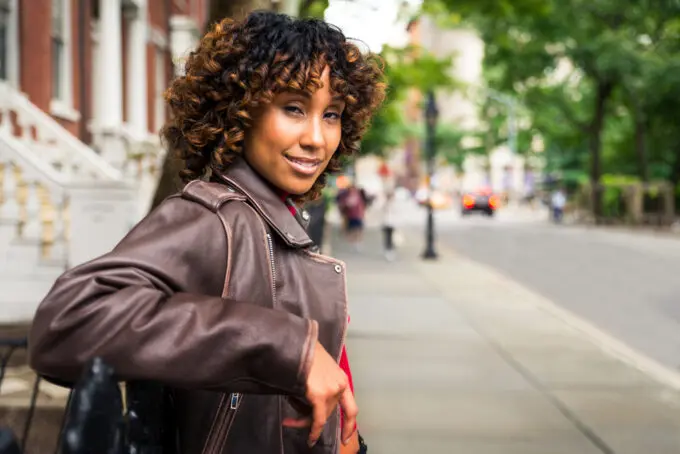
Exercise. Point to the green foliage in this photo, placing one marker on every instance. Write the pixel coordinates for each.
(313, 8)
(405, 68)
(450, 145)
(562, 57)
(414, 67)
(442, 15)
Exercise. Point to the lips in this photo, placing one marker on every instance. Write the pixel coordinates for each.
(304, 165)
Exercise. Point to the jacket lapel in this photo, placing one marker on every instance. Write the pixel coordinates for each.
(266, 202)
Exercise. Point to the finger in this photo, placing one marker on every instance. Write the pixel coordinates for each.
(350, 412)
(319, 420)
(297, 423)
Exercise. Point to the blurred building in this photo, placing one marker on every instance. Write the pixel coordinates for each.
(81, 103)
(504, 171)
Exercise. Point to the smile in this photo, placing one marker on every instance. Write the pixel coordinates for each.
(305, 166)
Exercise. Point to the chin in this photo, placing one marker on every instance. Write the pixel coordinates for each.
(298, 188)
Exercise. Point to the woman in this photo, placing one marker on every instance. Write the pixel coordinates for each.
(217, 293)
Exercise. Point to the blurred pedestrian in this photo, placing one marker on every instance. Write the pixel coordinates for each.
(388, 226)
(217, 294)
(558, 202)
(352, 203)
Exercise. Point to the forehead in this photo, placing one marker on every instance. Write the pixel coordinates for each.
(310, 82)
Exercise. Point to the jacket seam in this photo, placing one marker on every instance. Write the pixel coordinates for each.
(216, 198)
(227, 272)
(308, 350)
(214, 423)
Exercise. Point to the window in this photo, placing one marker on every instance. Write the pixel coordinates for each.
(5, 18)
(58, 48)
(62, 91)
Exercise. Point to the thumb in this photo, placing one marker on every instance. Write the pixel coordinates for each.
(350, 412)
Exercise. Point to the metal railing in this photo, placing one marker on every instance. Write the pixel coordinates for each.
(9, 443)
(96, 420)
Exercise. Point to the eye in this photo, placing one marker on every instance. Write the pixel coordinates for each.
(293, 109)
(333, 116)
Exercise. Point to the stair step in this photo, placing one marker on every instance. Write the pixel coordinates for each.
(21, 255)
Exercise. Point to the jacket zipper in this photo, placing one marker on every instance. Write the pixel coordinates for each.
(226, 411)
(270, 243)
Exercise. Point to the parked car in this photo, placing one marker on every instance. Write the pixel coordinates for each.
(483, 201)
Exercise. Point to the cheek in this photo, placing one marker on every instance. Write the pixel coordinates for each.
(274, 133)
(333, 138)
(282, 132)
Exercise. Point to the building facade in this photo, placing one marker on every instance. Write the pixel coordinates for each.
(81, 105)
(99, 67)
(502, 170)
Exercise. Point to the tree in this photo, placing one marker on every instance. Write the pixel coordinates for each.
(580, 61)
(313, 8)
(450, 145)
(237, 9)
(406, 68)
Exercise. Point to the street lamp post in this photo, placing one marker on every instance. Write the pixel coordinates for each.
(431, 115)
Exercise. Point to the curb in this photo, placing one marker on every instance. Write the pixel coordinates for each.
(613, 346)
(603, 340)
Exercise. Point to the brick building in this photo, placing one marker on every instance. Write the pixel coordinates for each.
(99, 67)
(81, 85)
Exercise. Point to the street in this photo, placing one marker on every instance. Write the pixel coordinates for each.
(624, 283)
(453, 357)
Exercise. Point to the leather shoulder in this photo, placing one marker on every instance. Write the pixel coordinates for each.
(209, 194)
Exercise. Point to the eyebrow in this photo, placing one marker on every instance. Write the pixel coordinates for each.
(308, 95)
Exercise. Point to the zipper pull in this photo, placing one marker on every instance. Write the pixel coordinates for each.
(235, 400)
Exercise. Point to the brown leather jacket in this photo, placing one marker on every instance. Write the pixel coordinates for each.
(217, 294)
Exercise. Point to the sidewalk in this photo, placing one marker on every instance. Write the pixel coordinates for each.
(451, 357)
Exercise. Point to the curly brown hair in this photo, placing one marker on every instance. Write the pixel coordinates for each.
(240, 65)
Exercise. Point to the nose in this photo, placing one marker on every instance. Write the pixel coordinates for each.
(312, 136)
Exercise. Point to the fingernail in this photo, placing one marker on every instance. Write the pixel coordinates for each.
(346, 442)
(311, 443)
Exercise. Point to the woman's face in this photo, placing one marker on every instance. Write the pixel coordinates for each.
(293, 138)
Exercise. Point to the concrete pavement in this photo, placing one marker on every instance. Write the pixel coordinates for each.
(623, 282)
(452, 357)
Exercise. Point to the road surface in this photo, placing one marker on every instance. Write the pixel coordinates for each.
(628, 284)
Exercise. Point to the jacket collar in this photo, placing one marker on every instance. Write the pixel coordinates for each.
(240, 176)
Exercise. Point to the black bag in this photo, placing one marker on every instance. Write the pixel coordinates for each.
(96, 423)
(94, 416)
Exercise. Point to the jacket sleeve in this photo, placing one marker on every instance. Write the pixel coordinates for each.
(146, 309)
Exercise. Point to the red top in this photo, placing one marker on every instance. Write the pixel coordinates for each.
(344, 361)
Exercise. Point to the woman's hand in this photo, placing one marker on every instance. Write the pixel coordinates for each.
(353, 446)
(327, 385)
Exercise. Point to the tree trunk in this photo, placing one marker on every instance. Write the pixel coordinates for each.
(604, 91)
(237, 9)
(675, 169)
(169, 182)
(641, 148)
(640, 139)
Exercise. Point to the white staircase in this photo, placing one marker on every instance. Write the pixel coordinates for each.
(61, 203)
